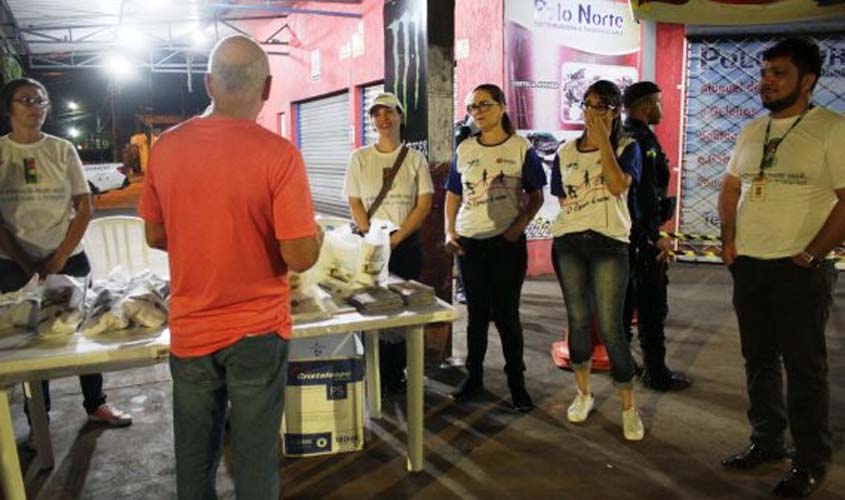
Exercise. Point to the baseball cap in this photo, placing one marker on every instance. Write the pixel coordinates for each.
(387, 99)
(637, 90)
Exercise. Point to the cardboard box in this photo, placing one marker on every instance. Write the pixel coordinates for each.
(324, 397)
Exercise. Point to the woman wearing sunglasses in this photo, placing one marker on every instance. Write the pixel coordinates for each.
(594, 178)
(45, 207)
(486, 215)
(405, 204)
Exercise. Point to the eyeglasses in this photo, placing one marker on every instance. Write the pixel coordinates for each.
(598, 109)
(31, 102)
(480, 106)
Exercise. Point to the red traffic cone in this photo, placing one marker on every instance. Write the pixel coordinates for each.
(560, 351)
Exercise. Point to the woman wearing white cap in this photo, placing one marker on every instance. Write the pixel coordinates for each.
(405, 204)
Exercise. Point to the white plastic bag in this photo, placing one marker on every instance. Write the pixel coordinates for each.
(342, 248)
(312, 303)
(61, 305)
(374, 255)
(146, 300)
(103, 303)
(19, 309)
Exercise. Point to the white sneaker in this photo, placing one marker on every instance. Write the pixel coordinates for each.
(580, 408)
(632, 426)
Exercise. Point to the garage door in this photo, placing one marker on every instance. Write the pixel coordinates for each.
(368, 134)
(323, 133)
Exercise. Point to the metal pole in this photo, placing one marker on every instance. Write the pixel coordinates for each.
(114, 128)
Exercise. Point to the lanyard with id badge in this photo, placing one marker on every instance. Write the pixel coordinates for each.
(769, 159)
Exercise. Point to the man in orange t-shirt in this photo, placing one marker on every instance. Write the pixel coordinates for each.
(230, 203)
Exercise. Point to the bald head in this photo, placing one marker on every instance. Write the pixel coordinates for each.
(238, 74)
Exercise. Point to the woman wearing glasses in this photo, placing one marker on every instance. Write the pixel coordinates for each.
(406, 205)
(45, 207)
(594, 178)
(485, 224)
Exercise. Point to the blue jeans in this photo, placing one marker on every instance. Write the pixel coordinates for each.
(251, 375)
(593, 274)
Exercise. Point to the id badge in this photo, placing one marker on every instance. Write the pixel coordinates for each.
(758, 189)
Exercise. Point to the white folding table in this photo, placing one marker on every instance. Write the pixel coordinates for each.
(26, 358)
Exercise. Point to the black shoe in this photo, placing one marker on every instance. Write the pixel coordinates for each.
(799, 482)
(467, 389)
(672, 381)
(752, 456)
(521, 399)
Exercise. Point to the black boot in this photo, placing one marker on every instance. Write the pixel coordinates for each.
(519, 394)
(468, 388)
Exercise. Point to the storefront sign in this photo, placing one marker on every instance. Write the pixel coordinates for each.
(722, 95)
(736, 11)
(554, 50)
(405, 60)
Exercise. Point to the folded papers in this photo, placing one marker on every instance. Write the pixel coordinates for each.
(376, 300)
(413, 293)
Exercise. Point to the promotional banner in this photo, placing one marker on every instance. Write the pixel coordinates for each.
(722, 95)
(736, 11)
(554, 50)
(405, 61)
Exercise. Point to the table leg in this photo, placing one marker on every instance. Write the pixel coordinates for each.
(416, 381)
(10, 467)
(372, 380)
(40, 423)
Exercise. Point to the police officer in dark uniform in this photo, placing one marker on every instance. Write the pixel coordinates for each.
(647, 289)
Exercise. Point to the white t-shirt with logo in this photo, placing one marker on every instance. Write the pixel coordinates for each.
(37, 184)
(490, 181)
(364, 179)
(578, 180)
(798, 194)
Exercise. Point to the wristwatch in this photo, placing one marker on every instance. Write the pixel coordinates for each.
(810, 259)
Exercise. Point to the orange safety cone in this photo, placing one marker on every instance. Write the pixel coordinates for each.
(560, 351)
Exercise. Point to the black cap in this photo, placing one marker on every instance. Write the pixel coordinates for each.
(637, 90)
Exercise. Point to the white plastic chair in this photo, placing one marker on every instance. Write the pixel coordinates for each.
(330, 222)
(120, 241)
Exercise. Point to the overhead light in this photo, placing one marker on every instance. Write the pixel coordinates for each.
(119, 67)
(73, 132)
(200, 38)
(72, 105)
(130, 37)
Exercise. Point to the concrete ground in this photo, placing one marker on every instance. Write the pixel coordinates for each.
(482, 448)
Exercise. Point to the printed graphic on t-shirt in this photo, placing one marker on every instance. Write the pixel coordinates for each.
(586, 202)
(30, 171)
(34, 188)
(489, 186)
(392, 199)
(582, 189)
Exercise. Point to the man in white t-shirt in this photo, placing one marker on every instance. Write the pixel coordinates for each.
(782, 209)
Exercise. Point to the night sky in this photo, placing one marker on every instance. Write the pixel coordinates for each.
(158, 93)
